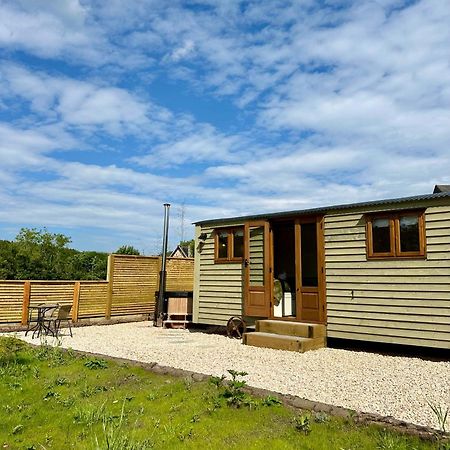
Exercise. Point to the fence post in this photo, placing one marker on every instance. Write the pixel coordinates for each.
(76, 301)
(26, 301)
(110, 279)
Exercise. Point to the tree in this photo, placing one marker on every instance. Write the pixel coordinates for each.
(127, 250)
(41, 254)
(38, 254)
(190, 245)
(88, 265)
(7, 260)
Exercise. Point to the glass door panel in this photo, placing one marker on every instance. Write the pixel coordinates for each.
(309, 244)
(309, 255)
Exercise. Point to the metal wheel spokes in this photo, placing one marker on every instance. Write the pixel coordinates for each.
(236, 327)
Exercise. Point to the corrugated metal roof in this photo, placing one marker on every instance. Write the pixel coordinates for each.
(325, 209)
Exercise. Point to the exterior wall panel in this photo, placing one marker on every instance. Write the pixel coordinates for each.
(401, 301)
(218, 287)
(394, 301)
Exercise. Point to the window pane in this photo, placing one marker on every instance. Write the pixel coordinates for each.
(222, 241)
(309, 255)
(381, 236)
(409, 234)
(238, 244)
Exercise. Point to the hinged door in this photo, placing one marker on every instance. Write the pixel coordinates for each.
(257, 277)
(310, 270)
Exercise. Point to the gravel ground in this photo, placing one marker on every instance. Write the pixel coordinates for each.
(391, 386)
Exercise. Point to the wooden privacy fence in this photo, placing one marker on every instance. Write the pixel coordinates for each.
(129, 290)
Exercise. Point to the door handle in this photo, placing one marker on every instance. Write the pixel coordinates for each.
(246, 262)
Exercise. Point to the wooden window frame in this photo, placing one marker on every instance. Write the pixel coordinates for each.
(394, 227)
(230, 245)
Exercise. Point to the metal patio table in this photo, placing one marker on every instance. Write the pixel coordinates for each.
(40, 327)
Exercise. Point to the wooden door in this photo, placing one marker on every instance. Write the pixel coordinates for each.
(257, 284)
(310, 292)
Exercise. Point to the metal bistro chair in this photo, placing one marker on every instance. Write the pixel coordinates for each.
(33, 320)
(62, 314)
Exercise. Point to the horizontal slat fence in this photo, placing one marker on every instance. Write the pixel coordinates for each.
(92, 300)
(129, 290)
(180, 274)
(135, 280)
(51, 292)
(11, 299)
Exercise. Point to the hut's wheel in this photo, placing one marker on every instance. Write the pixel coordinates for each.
(236, 327)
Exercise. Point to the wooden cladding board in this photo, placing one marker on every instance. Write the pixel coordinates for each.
(393, 301)
(218, 287)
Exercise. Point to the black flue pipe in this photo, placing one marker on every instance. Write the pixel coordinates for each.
(159, 313)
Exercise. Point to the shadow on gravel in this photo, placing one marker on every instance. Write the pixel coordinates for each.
(426, 353)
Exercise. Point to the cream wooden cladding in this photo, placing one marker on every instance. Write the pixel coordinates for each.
(392, 301)
(403, 301)
(218, 287)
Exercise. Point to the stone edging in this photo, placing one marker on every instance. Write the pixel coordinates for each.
(293, 401)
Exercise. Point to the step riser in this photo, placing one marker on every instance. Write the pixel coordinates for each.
(317, 330)
(267, 342)
(286, 328)
(280, 342)
(286, 335)
(314, 344)
(283, 328)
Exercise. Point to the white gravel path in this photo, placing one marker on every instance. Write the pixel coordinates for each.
(392, 386)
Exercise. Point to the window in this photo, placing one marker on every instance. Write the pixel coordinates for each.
(229, 245)
(399, 235)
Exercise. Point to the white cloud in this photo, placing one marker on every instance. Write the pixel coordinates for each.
(25, 149)
(339, 102)
(66, 29)
(183, 52)
(200, 143)
(81, 103)
(48, 29)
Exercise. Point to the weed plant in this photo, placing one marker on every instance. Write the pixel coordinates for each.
(95, 364)
(53, 399)
(441, 415)
(302, 423)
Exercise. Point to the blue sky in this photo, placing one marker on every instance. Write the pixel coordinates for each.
(220, 107)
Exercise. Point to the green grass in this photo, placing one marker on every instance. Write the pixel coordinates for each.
(52, 399)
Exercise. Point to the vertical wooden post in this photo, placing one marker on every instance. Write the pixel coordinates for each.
(26, 301)
(76, 301)
(110, 279)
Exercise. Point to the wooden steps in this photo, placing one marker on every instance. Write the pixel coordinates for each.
(179, 312)
(286, 335)
(176, 323)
